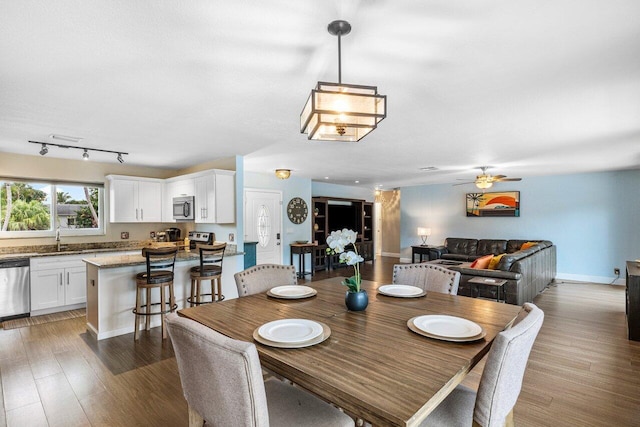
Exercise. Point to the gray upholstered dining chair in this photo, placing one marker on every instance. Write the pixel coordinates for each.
(430, 277)
(222, 383)
(262, 277)
(501, 380)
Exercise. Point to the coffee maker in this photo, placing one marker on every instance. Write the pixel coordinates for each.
(172, 234)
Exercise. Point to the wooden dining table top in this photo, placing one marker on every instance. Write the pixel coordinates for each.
(372, 365)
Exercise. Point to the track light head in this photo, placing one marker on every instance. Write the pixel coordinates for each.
(85, 155)
(119, 158)
(44, 150)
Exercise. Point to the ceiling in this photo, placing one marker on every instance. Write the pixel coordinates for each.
(528, 87)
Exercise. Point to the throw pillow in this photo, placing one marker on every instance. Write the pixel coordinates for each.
(482, 262)
(527, 245)
(495, 261)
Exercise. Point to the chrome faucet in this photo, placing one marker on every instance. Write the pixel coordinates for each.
(58, 238)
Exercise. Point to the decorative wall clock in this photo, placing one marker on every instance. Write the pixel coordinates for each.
(297, 210)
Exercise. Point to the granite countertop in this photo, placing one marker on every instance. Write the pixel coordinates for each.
(9, 253)
(130, 260)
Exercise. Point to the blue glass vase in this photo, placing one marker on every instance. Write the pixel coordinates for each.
(356, 301)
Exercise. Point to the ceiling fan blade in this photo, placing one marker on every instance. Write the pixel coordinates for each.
(499, 176)
(464, 183)
(509, 179)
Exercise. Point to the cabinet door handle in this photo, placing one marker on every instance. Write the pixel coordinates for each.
(61, 279)
(136, 214)
(67, 278)
(141, 214)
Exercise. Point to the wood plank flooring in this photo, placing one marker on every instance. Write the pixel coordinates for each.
(582, 370)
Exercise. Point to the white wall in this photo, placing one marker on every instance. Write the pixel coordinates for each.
(593, 219)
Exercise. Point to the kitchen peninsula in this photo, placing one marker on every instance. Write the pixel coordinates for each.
(111, 288)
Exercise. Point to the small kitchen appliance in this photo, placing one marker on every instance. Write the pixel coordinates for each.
(201, 237)
(172, 234)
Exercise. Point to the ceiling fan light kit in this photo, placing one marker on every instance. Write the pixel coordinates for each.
(283, 173)
(339, 111)
(486, 180)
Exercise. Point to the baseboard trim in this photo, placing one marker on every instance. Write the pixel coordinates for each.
(591, 279)
(391, 254)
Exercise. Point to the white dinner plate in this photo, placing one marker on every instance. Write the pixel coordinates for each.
(403, 291)
(290, 330)
(292, 291)
(447, 326)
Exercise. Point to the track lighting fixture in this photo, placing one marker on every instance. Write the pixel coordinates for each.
(85, 151)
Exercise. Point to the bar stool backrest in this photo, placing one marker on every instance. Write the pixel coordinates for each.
(211, 257)
(160, 261)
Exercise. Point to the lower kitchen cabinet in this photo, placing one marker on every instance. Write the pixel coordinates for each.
(61, 288)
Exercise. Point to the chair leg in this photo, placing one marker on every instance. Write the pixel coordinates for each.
(147, 322)
(172, 297)
(198, 282)
(193, 292)
(136, 331)
(195, 420)
(163, 308)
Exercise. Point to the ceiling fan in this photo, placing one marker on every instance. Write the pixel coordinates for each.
(486, 180)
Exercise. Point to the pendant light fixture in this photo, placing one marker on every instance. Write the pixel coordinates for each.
(338, 111)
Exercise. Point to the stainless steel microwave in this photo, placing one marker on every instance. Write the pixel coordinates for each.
(183, 208)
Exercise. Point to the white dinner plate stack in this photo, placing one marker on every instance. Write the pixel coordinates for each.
(401, 291)
(291, 292)
(446, 328)
(292, 333)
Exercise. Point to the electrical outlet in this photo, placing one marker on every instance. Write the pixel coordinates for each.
(616, 271)
(231, 237)
(124, 235)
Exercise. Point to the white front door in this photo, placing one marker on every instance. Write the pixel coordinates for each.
(263, 224)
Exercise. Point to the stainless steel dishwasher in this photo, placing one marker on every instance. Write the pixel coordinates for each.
(14, 288)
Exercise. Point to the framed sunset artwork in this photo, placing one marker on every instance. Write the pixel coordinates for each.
(493, 204)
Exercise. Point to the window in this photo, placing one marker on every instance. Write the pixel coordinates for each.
(38, 209)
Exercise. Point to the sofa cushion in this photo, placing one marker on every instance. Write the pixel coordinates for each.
(459, 257)
(491, 246)
(482, 262)
(493, 264)
(456, 245)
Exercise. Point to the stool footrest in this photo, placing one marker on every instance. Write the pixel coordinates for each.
(171, 309)
(191, 300)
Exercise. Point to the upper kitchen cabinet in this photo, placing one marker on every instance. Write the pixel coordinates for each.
(215, 197)
(135, 199)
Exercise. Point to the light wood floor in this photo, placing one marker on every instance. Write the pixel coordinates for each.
(582, 371)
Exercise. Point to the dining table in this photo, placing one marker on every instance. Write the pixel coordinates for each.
(372, 365)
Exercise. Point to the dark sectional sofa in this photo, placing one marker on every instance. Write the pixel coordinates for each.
(527, 272)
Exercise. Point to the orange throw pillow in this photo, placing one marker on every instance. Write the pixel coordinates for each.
(482, 262)
(493, 264)
(527, 245)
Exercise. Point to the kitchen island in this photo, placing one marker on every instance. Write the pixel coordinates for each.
(111, 288)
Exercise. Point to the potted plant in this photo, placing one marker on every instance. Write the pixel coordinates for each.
(356, 299)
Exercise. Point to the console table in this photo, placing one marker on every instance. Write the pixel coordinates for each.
(302, 249)
(420, 250)
(633, 299)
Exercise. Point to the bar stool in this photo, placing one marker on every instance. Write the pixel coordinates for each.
(210, 268)
(159, 274)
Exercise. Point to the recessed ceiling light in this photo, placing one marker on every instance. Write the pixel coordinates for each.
(326, 177)
(357, 182)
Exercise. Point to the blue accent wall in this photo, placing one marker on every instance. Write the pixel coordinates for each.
(593, 219)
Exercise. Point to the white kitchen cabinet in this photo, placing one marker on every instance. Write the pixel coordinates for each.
(58, 283)
(175, 188)
(133, 199)
(215, 198)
